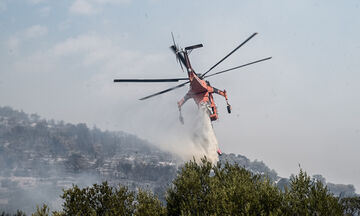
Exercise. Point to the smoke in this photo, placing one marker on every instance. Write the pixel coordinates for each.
(26, 190)
(195, 139)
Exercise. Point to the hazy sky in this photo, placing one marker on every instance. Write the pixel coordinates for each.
(58, 59)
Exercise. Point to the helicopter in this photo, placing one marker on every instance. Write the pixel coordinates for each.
(200, 89)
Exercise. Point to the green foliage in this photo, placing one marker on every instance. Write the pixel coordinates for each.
(98, 200)
(148, 204)
(107, 200)
(42, 211)
(55, 213)
(351, 205)
(18, 213)
(307, 197)
(203, 189)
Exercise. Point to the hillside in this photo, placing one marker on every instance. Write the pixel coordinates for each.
(38, 158)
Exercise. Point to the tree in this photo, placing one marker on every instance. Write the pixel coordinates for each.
(42, 211)
(203, 189)
(98, 200)
(307, 197)
(148, 204)
(351, 205)
(107, 200)
(18, 213)
(206, 189)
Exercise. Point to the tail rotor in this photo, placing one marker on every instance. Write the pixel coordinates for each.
(176, 50)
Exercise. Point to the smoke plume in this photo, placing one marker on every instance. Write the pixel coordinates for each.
(194, 139)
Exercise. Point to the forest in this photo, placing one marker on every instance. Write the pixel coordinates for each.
(58, 166)
(206, 189)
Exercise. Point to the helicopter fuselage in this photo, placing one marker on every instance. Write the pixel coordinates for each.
(201, 91)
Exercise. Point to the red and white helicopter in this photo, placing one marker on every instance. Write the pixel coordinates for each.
(200, 89)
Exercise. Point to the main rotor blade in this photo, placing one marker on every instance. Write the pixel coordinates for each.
(164, 91)
(203, 75)
(230, 69)
(172, 35)
(150, 80)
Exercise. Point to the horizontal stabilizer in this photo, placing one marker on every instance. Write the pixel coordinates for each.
(193, 47)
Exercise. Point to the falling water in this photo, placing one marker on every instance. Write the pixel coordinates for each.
(203, 137)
